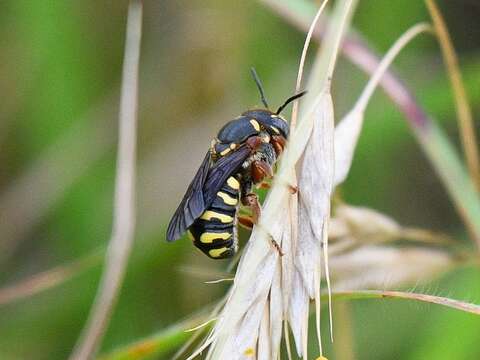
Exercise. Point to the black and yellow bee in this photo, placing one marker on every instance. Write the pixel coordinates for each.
(241, 156)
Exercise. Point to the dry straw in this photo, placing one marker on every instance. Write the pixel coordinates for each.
(121, 240)
(464, 112)
(257, 308)
(270, 291)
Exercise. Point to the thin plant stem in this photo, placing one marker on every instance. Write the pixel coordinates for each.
(301, 67)
(402, 295)
(464, 112)
(122, 237)
(387, 60)
(344, 344)
(47, 279)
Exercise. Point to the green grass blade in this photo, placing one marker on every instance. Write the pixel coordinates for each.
(160, 344)
(446, 162)
(166, 341)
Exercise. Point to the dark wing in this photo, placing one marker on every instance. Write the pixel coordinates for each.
(192, 205)
(221, 170)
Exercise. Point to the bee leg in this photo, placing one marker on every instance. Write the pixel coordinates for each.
(251, 200)
(264, 185)
(291, 188)
(246, 222)
(260, 171)
(278, 143)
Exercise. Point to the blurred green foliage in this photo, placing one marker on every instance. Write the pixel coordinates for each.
(60, 75)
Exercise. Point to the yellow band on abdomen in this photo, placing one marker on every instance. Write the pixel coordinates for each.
(215, 253)
(233, 183)
(208, 237)
(227, 199)
(209, 215)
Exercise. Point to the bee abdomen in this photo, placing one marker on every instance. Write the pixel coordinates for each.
(214, 233)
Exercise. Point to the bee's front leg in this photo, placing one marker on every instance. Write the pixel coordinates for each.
(261, 171)
(246, 222)
(266, 185)
(251, 200)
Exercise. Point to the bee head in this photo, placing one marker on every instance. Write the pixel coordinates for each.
(273, 122)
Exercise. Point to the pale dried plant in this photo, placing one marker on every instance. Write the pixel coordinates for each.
(121, 240)
(272, 290)
(380, 267)
(269, 289)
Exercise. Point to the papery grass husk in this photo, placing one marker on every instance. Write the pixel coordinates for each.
(381, 267)
(251, 321)
(315, 182)
(243, 316)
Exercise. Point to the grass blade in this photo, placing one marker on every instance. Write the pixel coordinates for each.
(124, 209)
(47, 279)
(349, 128)
(389, 294)
(464, 112)
(161, 343)
(454, 176)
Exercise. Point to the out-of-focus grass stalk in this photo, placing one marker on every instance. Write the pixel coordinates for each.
(464, 112)
(160, 344)
(166, 340)
(124, 208)
(401, 295)
(454, 176)
(344, 344)
(349, 128)
(432, 139)
(48, 279)
(386, 61)
(31, 194)
(426, 236)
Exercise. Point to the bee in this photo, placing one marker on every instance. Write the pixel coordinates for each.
(240, 157)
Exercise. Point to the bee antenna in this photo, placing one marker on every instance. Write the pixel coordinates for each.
(289, 100)
(259, 86)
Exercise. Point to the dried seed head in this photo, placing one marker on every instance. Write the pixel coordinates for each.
(367, 225)
(269, 289)
(377, 267)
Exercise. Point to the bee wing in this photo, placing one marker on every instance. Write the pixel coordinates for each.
(222, 170)
(192, 205)
(203, 190)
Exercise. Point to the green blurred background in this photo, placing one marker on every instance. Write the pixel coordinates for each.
(60, 76)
